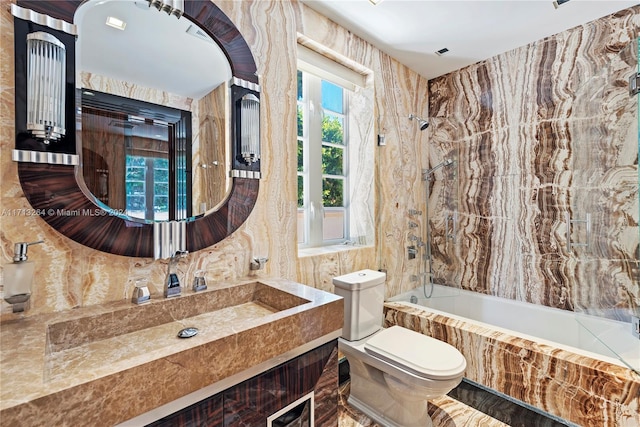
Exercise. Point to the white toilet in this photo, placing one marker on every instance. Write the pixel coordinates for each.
(395, 370)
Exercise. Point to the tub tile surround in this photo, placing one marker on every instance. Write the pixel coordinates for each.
(538, 133)
(53, 370)
(573, 387)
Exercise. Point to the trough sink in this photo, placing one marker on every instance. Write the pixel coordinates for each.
(119, 336)
(109, 363)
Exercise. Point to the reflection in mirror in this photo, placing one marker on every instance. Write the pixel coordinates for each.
(145, 146)
(155, 133)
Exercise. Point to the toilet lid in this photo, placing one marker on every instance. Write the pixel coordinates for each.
(417, 353)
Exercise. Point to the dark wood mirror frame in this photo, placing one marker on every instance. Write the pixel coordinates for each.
(54, 190)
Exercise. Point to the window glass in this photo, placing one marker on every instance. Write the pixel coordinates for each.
(332, 160)
(140, 172)
(332, 192)
(332, 97)
(161, 171)
(300, 88)
(135, 173)
(322, 159)
(300, 155)
(300, 121)
(135, 188)
(300, 191)
(332, 227)
(333, 129)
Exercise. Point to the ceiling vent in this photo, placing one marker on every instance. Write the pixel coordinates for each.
(442, 51)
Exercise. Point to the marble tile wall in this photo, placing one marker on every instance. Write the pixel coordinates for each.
(494, 141)
(543, 136)
(69, 275)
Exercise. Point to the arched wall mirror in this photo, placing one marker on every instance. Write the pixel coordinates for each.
(164, 99)
(154, 144)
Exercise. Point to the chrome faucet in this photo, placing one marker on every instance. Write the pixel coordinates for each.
(199, 281)
(172, 283)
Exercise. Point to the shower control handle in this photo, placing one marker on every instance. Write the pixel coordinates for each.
(411, 252)
(450, 232)
(587, 223)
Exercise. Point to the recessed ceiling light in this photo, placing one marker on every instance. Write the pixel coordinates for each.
(442, 51)
(116, 23)
(558, 3)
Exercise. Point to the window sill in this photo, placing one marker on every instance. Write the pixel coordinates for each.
(325, 250)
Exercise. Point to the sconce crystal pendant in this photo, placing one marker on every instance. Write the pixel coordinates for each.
(46, 76)
(250, 140)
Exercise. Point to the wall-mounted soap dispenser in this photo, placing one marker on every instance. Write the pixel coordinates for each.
(18, 277)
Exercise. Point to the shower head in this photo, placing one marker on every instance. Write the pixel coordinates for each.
(421, 122)
(428, 172)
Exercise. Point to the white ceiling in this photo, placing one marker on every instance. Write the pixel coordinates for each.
(155, 50)
(412, 31)
(408, 30)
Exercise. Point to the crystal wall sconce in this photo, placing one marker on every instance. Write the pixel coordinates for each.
(250, 125)
(46, 75)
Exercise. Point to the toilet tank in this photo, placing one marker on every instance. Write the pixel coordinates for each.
(363, 293)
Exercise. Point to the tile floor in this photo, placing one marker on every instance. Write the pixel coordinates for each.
(444, 411)
(480, 409)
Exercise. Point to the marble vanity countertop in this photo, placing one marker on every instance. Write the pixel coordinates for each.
(106, 364)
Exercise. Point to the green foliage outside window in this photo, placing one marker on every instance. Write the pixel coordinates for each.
(332, 190)
(300, 122)
(332, 130)
(332, 161)
(300, 191)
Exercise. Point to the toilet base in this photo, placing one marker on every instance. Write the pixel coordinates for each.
(384, 400)
(389, 395)
(379, 418)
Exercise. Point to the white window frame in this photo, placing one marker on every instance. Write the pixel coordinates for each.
(313, 210)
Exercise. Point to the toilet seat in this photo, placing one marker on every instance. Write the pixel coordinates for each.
(419, 354)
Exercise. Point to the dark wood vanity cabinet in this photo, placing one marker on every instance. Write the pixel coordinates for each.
(284, 390)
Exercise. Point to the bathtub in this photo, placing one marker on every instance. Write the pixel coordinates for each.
(595, 337)
(573, 366)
